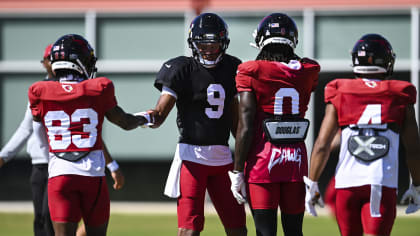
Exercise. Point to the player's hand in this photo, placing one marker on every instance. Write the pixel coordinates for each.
(1, 162)
(238, 186)
(148, 119)
(312, 197)
(118, 178)
(413, 197)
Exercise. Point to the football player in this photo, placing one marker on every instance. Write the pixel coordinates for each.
(373, 111)
(270, 153)
(72, 110)
(37, 150)
(203, 89)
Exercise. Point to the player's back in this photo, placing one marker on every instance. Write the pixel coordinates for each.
(358, 98)
(279, 88)
(73, 113)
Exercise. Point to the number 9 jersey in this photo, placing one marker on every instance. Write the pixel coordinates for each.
(204, 96)
(73, 113)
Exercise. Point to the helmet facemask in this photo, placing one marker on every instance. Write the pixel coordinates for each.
(208, 39)
(208, 53)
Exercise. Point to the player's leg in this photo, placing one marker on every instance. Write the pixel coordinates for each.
(64, 204)
(190, 210)
(64, 228)
(348, 209)
(95, 205)
(231, 214)
(292, 207)
(264, 201)
(381, 226)
(48, 226)
(38, 186)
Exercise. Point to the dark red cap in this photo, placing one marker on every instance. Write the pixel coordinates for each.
(47, 51)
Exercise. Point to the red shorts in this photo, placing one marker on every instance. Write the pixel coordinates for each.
(290, 196)
(71, 197)
(195, 179)
(353, 211)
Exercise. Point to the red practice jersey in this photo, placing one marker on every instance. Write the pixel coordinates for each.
(73, 113)
(280, 89)
(362, 101)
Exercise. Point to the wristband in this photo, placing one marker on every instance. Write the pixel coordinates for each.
(147, 117)
(113, 166)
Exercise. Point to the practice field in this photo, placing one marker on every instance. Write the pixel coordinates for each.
(18, 224)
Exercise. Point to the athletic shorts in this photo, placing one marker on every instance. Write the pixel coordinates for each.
(353, 211)
(194, 180)
(72, 197)
(290, 196)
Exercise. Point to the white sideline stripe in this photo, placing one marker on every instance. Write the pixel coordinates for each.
(119, 207)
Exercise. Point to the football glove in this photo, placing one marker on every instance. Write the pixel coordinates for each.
(147, 116)
(238, 186)
(413, 197)
(312, 197)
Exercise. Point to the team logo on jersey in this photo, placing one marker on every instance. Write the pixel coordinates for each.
(67, 87)
(368, 148)
(168, 66)
(279, 156)
(370, 83)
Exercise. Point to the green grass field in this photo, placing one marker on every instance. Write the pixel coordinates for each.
(20, 224)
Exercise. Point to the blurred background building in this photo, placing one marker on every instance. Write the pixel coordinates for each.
(132, 38)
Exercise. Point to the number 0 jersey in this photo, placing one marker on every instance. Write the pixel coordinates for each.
(280, 89)
(369, 102)
(73, 113)
(203, 98)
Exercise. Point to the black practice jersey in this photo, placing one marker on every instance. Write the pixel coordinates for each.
(204, 98)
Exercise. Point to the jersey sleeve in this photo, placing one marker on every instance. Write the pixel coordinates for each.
(313, 68)
(172, 74)
(330, 91)
(246, 72)
(108, 94)
(34, 95)
(409, 92)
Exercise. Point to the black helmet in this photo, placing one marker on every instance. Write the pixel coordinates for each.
(276, 28)
(208, 28)
(73, 52)
(373, 54)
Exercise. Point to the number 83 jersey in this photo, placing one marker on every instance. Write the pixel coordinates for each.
(204, 97)
(73, 113)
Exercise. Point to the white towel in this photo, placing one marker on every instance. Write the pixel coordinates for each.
(172, 188)
(375, 200)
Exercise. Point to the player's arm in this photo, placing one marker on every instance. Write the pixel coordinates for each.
(235, 115)
(322, 147)
(18, 139)
(247, 109)
(164, 105)
(114, 168)
(319, 157)
(124, 120)
(411, 141)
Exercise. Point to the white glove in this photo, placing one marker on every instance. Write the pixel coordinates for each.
(238, 186)
(413, 197)
(147, 116)
(312, 197)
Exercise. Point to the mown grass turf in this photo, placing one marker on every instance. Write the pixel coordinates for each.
(17, 224)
